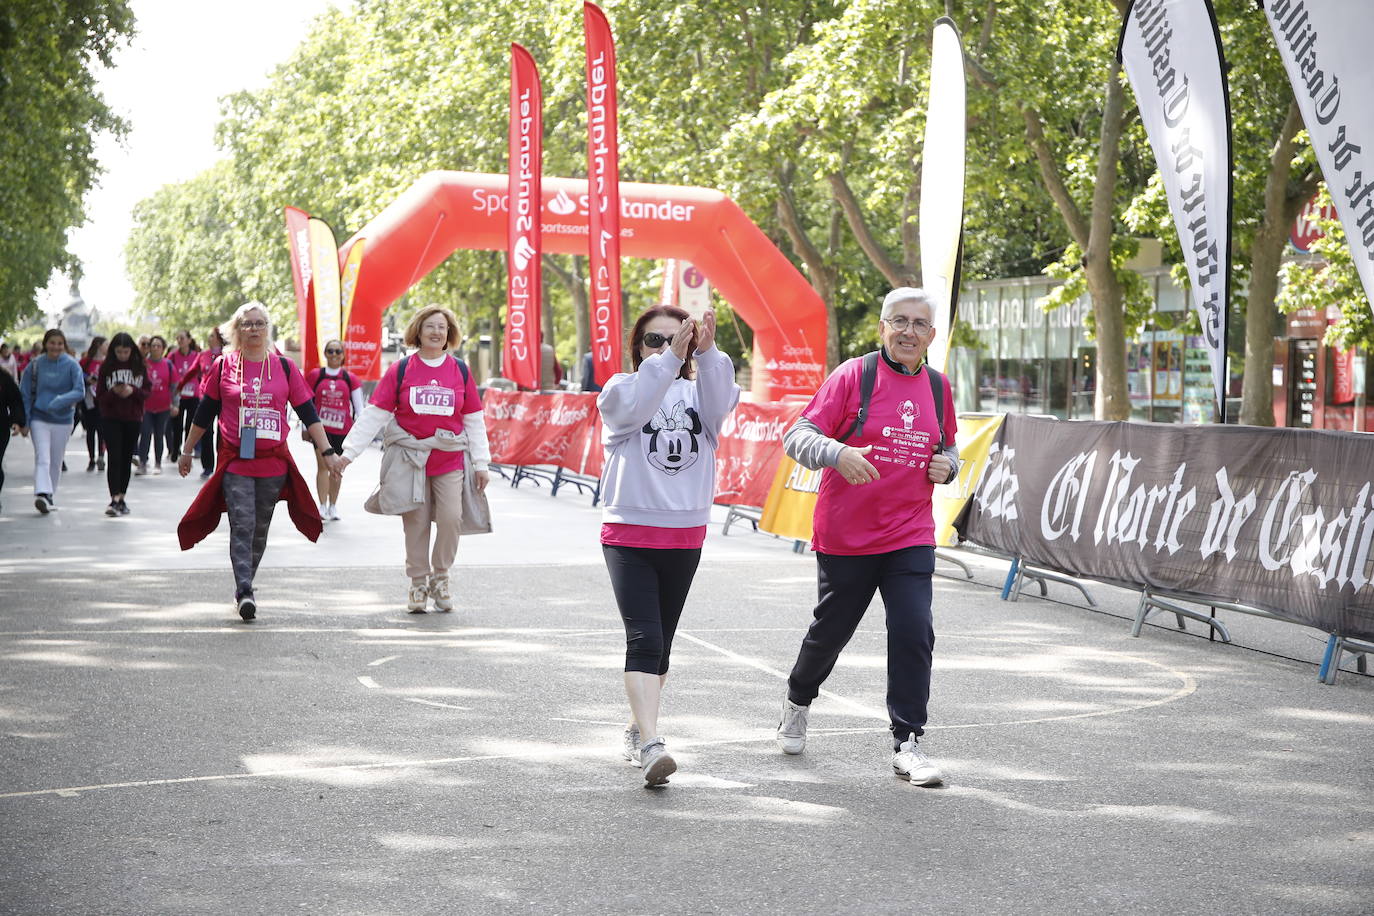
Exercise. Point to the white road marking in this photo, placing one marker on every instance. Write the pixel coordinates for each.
(436, 703)
(587, 721)
(755, 663)
(368, 682)
(382, 661)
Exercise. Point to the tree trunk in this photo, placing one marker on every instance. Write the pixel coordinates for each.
(1093, 234)
(1113, 400)
(1281, 205)
(820, 275)
(573, 282)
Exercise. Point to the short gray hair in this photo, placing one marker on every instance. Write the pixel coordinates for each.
(905, 294)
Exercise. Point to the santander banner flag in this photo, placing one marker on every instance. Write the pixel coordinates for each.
(1171, 50)
(603, 180)
(524, 244)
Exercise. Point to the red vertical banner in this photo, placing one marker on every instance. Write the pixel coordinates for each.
(524, 243)
(603, 194)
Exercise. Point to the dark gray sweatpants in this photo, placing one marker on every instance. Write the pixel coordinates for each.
(250, 501)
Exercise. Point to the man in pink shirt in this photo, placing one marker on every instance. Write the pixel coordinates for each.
(874, 530)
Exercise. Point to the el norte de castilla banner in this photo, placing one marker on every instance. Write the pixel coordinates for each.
(1277, 519)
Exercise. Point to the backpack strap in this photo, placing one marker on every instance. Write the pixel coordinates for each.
(866, 383)
(937, 391)
(401, 370)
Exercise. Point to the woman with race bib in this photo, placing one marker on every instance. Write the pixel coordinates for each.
(339, 401)
(248, 389)
(433, 400)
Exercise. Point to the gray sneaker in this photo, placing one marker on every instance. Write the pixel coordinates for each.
(630, 748)
(792, 727)
(657, 762)
(911, 763)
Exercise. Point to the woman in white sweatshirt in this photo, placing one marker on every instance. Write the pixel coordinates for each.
(661, 429)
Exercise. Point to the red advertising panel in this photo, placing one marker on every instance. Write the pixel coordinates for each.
(523, 236)
(750, 448)
(528, 428)
(603, 186)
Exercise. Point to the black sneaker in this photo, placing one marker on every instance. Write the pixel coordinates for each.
(90, 466)
(248, 608)
(123, 507)
(112, 509)
(42, 502)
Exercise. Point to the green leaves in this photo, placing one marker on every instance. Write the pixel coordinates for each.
(51, 111)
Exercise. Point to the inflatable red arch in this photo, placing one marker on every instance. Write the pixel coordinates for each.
(445, 211)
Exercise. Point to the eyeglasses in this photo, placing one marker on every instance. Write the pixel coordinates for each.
(653, 340)
(256, 325)
(901, 323)
(333, 351)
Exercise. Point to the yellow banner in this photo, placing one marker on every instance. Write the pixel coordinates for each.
(324, 258)
(975, 437)
(792, 498)
(791, 501)
(349, 284)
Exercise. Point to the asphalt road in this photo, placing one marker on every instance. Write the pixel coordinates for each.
(339, 756)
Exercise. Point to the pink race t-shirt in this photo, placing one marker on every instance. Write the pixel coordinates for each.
(333, 399)
(431, 398)
(181, 364)
(619, 534)
(894, 511)
(160, 381)
(256, 394)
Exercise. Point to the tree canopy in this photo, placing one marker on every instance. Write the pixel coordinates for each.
(51, 112)
(809, 113)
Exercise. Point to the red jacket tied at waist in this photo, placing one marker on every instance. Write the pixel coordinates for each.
(203, 515)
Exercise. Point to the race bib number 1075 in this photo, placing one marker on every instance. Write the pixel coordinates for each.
(433, 399)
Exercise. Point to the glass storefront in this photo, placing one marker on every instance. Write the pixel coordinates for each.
(1027, 360)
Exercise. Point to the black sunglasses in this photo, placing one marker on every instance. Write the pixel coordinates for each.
(654, 340)
(332, 352)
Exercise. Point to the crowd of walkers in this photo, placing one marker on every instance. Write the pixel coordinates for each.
(230, 403)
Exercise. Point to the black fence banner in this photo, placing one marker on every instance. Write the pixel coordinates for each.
(1277, 519)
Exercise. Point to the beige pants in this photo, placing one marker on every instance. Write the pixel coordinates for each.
(444, 507)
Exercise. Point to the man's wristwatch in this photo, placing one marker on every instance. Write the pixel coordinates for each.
(331, 451)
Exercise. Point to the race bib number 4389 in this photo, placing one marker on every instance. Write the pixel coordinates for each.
(433, 399)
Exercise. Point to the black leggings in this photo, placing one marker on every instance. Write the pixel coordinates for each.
(95, 436)
(121, 438)
(651, 588)
(181, 426)
(4, 444)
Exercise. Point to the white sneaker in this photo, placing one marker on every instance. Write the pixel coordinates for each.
(324, 511)
(333, 512)
(792, 727)
(911, 763)
(630, 747)
(657, 762)
(418, 596)
(439, 591)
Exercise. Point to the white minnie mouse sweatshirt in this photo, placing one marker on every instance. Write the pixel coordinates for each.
(660, 433)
